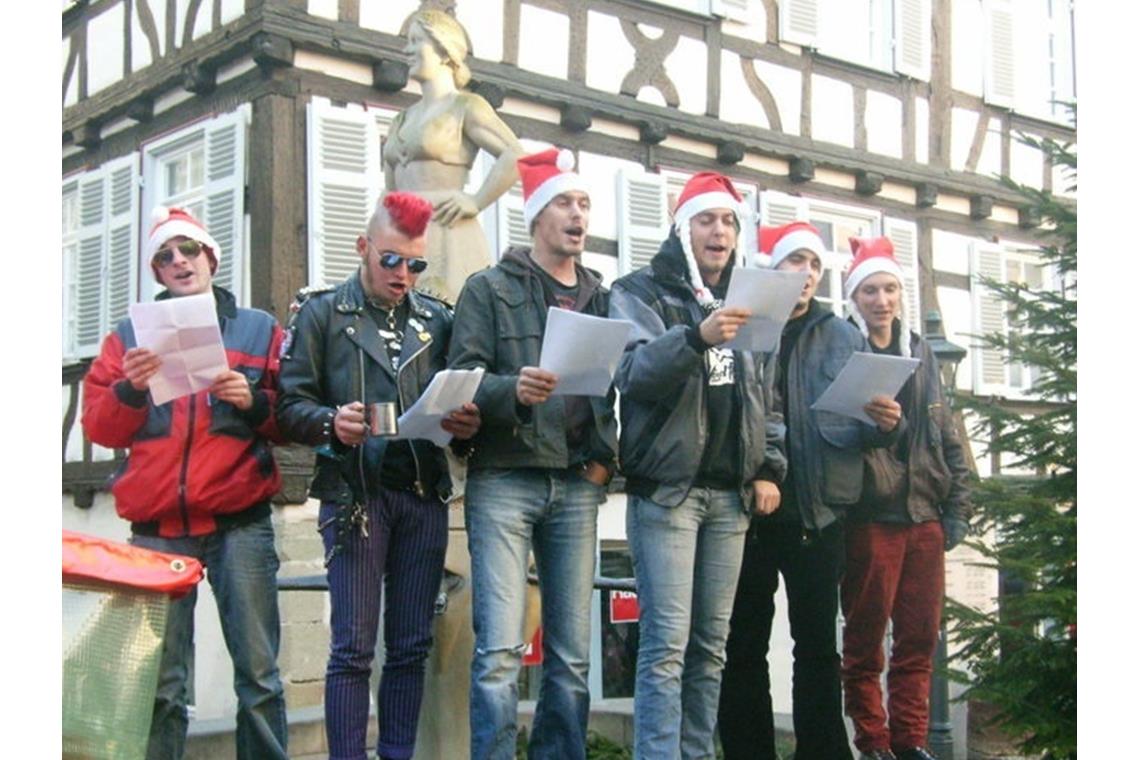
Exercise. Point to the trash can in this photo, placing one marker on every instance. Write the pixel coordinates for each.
(115, 599)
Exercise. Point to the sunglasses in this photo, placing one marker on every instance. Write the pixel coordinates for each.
(390, 260)
(188, 248)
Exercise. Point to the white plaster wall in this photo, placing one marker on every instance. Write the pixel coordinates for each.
(737, 103)
(323, 8)
(483, 20)
(687, 67)
(962, 123)
(385, 15)
(104, 49)
(921, 130)
(546, 53)
(884, 124)
(968, 43)
(609, 56)
(832, 118)
(232, 9)
(989, 161)
(786, 86)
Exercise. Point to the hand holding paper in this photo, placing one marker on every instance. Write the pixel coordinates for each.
(582, 351)
(771, 296)
(450, 389)
(865, 377)
(184, 334)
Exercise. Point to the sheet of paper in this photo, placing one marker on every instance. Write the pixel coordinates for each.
(448, 390)
(863, 376)
(771, 296)
(583, 351)
(184, 332)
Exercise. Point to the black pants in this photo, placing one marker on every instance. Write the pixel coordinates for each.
(811, 569)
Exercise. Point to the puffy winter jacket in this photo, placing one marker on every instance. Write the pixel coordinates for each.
(193, 459)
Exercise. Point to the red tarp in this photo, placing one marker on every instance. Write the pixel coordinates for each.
(87, 558)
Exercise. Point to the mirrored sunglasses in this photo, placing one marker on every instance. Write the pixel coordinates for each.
(188, 248)
(390, 260)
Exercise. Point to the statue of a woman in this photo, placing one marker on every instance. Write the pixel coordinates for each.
(432, 145)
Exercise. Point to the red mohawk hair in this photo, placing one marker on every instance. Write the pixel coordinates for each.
(408, 212)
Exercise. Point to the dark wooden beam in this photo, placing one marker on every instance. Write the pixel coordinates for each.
(389, 75)
(925, 194)
(868, 183)
(729, 152)
(271, 50)
(141, 108)
(801, 169)
(981, 206)
(492, 93)
(575, 118)
(199, 78)
(87, 135)
(1028, 217)
(278, 252)
(652, 132)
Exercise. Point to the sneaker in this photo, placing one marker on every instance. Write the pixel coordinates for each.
(915, 753)
(877, 754)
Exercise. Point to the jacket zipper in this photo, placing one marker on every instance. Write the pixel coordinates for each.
(182, 505)
(400, 398)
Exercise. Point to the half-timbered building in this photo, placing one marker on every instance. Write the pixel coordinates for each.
(267, 119)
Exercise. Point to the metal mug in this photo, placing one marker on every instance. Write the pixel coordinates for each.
(382, 418)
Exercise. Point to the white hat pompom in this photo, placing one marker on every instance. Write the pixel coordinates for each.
(565, 161)
(159, 214)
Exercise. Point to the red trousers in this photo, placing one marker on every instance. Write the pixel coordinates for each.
(894, 572)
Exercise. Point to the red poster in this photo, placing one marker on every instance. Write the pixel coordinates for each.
(623, 607)
(532, 655)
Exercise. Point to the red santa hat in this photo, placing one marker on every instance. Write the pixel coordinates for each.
(546, 175)
(876, 256)
(705, 191)
(167, 223)
(780, 242)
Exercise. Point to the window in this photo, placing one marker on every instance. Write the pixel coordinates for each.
(993, 373)
(100, 220)
(202, 168)
(1030, 60)
(889, 35)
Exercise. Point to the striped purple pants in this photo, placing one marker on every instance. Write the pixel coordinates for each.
(407, 539)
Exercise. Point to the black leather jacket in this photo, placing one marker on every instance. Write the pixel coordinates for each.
(332, 356)
(500, 319)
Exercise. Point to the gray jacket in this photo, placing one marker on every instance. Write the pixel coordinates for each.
(663, 393)
(500, 319)
(825, 450)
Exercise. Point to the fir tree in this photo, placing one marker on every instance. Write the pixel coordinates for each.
(1023, 657)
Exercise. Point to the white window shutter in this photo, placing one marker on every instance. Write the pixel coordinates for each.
(510, 220)
(904, 235)
(87, 306)
(912, 38)
(737, 10)
(989, 317)
(1000, 68)
(225, 197)
(799, 21)
(122, 237)
(344, 183)
(778, 208)
(642, 217)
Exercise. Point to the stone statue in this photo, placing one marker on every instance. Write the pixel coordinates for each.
(432, 145)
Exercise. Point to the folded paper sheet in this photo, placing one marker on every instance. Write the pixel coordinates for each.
(771, 296)
(184, 332)
(448, 390)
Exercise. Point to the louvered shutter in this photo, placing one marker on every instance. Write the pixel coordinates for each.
(1000, 76)
(989, 317)
(642, 218)
(737, 10)
(224, 209)
(122, 237)
(344, 183)
(904, 235)
(799, 21)
(912, 38)
(87, 292)
(511, 223)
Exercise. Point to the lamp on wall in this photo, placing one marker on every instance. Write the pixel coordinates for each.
(940, 736)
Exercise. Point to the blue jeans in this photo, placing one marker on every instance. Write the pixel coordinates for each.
(687, 561)
(404, 550)
(508, 512)
(241, 566)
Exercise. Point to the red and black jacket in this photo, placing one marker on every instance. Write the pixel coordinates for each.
(193, 462)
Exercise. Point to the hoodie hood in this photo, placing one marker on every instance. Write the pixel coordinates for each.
(671, 269)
